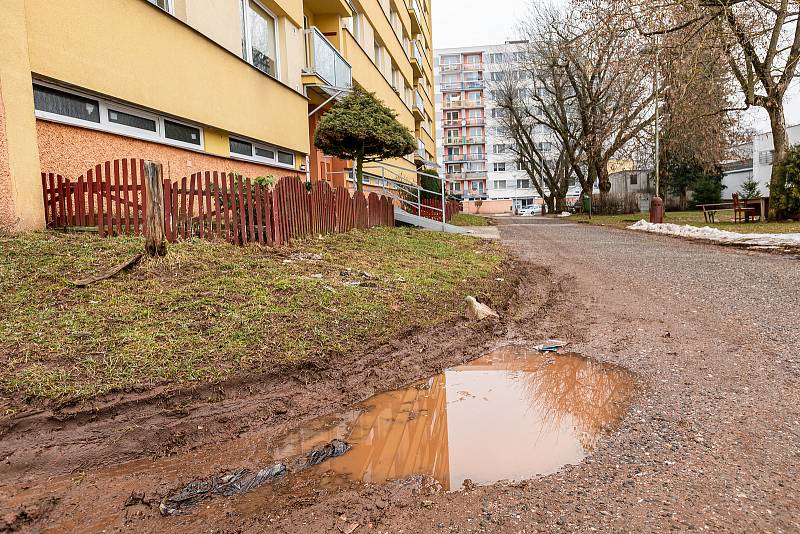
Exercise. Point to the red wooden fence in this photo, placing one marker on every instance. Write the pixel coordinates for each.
(209, 205)
(428, 204)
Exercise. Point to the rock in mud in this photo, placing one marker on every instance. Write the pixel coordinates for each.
(478, 311)
(233, 483)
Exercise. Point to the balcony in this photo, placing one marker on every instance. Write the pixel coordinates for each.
(450, 67)
(454, 141)
(453, 86)
(416, 60)
(473, 66)
(475, 140)
(454, 176)
(417, 16)
(325, 62)
(419, 107)
(454, 158)
(473, 84)
(463, 104)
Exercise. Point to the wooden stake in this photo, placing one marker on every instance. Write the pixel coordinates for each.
(156, 244)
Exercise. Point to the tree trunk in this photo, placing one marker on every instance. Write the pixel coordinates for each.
(561, 203)
(777, 187)
(603, 182)
(549, 204)
(360, 171)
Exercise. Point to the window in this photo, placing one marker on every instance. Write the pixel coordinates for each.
(499, 166)
(287, 158)
(181, 132)
(500, 184)
(132, 121)
(496, 58)
(266, 153)
(523, 184)
(498, 113)
(57, 102)
(765, 157)
(260, 42)
(498, 149)
(473, 59)
(634, 179)
(241, 147)
(456, 186)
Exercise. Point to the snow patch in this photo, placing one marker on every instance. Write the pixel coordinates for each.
(718, 236)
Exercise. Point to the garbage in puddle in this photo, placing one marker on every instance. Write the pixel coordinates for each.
(242, 480)
(510, 415)
(551, 345)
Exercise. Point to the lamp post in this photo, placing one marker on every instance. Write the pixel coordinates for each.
(657, 203)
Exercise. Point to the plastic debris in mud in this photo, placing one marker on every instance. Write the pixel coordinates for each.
(233, 483)
(333, 449)
(242, 480)
(551, 345)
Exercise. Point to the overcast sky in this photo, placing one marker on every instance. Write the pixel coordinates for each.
(479, 22)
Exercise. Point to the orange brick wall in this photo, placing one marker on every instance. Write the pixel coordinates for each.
(70, 151)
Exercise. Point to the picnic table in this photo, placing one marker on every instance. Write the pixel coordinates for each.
(743, 210)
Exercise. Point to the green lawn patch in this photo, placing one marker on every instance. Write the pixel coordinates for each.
(209, 310)
(468, 219)
(694, 218)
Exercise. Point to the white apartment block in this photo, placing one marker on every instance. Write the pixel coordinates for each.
(474, 156)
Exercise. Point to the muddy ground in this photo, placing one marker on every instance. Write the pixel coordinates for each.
(712, 442)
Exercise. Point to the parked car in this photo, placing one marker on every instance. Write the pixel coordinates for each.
(533, 209)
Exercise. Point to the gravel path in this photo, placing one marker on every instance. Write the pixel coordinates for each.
(714, 443)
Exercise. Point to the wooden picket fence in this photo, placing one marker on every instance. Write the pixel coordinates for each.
(428, 204)
(209, 205)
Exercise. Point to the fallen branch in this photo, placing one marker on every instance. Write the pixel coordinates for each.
(108, 273)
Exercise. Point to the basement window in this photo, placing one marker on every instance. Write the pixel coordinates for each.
(50, 100)
(181, 132)
(287, 158)
(260, 153)
(132, 121)
(76, 108)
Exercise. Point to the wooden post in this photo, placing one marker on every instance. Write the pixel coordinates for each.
(155, 244)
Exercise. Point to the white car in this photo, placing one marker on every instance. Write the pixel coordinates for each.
(533, 209)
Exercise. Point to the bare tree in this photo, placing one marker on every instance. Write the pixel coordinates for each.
(760, 42)
(530, 118)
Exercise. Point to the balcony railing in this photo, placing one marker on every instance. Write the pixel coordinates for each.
(325, 61)
(480, 156)
(454, 141)
(420, 148)
(419, 106)
(475, 140)
(454, 176)
(450, 67)
(461, 104)
(473, 66)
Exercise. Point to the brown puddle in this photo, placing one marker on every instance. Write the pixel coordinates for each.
(509, 415)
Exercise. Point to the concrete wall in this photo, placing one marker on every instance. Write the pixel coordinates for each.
(488, 207)
(71, 151)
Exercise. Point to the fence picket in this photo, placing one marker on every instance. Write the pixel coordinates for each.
(242, 214)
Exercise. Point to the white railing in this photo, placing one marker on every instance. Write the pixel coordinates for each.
(325, 61)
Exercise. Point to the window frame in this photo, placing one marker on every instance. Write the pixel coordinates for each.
(159, 136)
(247, 49)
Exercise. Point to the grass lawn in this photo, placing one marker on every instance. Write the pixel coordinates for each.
(694, 218)
(468, 219)
(209, 310)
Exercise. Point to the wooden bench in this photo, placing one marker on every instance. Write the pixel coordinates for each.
(740, 213)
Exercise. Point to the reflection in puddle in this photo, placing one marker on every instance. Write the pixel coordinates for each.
(509, 415)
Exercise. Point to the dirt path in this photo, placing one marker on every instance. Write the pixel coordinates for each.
(714, 441)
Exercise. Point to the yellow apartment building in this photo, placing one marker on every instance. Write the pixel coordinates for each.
(233, 85)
